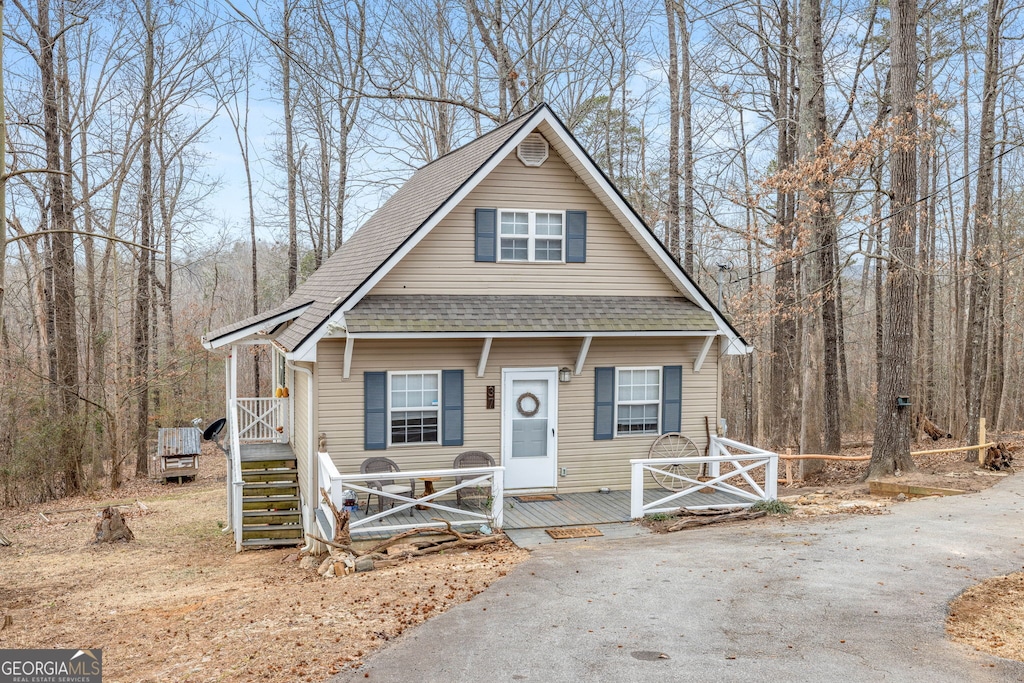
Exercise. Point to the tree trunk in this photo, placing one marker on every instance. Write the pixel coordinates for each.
(143, 282)
(891, 450)
(784, 324)
(62, 260)
(816, 209)
(672, 209)
(686, 111)
(975, 360)
(289, 148)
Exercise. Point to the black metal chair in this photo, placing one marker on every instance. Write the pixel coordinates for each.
(471, 459)
(382, 465)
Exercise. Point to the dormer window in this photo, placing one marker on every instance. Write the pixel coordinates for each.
(531, 236)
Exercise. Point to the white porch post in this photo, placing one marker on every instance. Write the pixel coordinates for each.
(498, 498)
(714, 467)
(227, 414)
(636, 490)
(233, 378)
(771, 484)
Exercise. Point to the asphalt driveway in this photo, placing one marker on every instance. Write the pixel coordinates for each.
(852, 598)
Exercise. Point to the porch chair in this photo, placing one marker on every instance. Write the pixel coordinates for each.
(471, 459)
(375, 465)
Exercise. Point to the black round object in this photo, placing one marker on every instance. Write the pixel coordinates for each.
(214, 430)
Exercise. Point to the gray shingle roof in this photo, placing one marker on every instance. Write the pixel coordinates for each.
(373, 243)
(458, 313)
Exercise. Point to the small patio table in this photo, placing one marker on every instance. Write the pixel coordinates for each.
(428, 489)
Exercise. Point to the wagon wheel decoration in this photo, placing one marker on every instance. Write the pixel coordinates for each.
(525, 410)
(674, 445)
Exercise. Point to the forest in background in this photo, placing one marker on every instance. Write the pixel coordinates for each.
(846, 178)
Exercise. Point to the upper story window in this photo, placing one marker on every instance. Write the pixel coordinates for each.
(531, 236)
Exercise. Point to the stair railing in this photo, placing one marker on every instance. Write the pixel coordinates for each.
(236, 483)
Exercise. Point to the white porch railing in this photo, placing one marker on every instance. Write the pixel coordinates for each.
(330, 480)
(262, 420)
(742, 457)
(235, 481)
(490, 478)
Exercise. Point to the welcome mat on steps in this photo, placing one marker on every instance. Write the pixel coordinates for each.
(537, 498)
(574, 532)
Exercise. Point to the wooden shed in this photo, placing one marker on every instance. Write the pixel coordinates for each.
(178, 453)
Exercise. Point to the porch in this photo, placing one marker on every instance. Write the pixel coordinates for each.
(739, 476)
(566, 509)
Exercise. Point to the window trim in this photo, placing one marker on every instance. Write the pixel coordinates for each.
(616, 434)
(437, 408)
(531, 235)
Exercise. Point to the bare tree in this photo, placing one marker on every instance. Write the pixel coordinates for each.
(975, 358)
(891, 450)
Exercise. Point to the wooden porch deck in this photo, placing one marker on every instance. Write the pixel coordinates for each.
(570, 509)
(252, 452)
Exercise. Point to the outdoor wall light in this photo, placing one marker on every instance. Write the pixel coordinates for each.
(564, 375)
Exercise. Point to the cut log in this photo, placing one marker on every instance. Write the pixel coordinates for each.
(111, 527)
(998, 457)
(690, 521)
(932, 429)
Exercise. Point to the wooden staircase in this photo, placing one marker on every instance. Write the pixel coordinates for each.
(270, 499)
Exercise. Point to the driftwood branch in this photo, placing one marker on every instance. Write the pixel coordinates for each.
(695, 518)
(341, 520)
(332, 544)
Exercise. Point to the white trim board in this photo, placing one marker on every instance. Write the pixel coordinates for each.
(267, 324)
(518, 335)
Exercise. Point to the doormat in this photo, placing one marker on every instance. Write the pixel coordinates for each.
(573, 532)
(538, 498)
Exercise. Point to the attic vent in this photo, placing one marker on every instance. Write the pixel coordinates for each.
(533, 150)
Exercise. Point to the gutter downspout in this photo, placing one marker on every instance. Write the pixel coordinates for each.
(313, 463)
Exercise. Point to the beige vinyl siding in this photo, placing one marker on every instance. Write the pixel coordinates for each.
(590, 464)
(300, 437)
(443, 263)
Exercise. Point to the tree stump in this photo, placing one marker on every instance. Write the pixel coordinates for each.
(111, 527)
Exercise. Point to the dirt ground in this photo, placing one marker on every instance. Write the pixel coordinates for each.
(990, 617)
(179, 604)
(837, 487)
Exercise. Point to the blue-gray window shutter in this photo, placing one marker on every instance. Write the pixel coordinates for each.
(452, 400)
(604, 403)
(486, 234)
(575, 236)
(375, 411)
(671, 398)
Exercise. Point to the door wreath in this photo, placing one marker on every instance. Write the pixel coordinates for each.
(527, 396)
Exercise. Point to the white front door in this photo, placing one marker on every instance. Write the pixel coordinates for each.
(529, 417)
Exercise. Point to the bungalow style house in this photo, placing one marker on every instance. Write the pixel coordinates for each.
(505, 299)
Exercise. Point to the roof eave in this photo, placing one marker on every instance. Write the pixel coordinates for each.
(266, 326)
